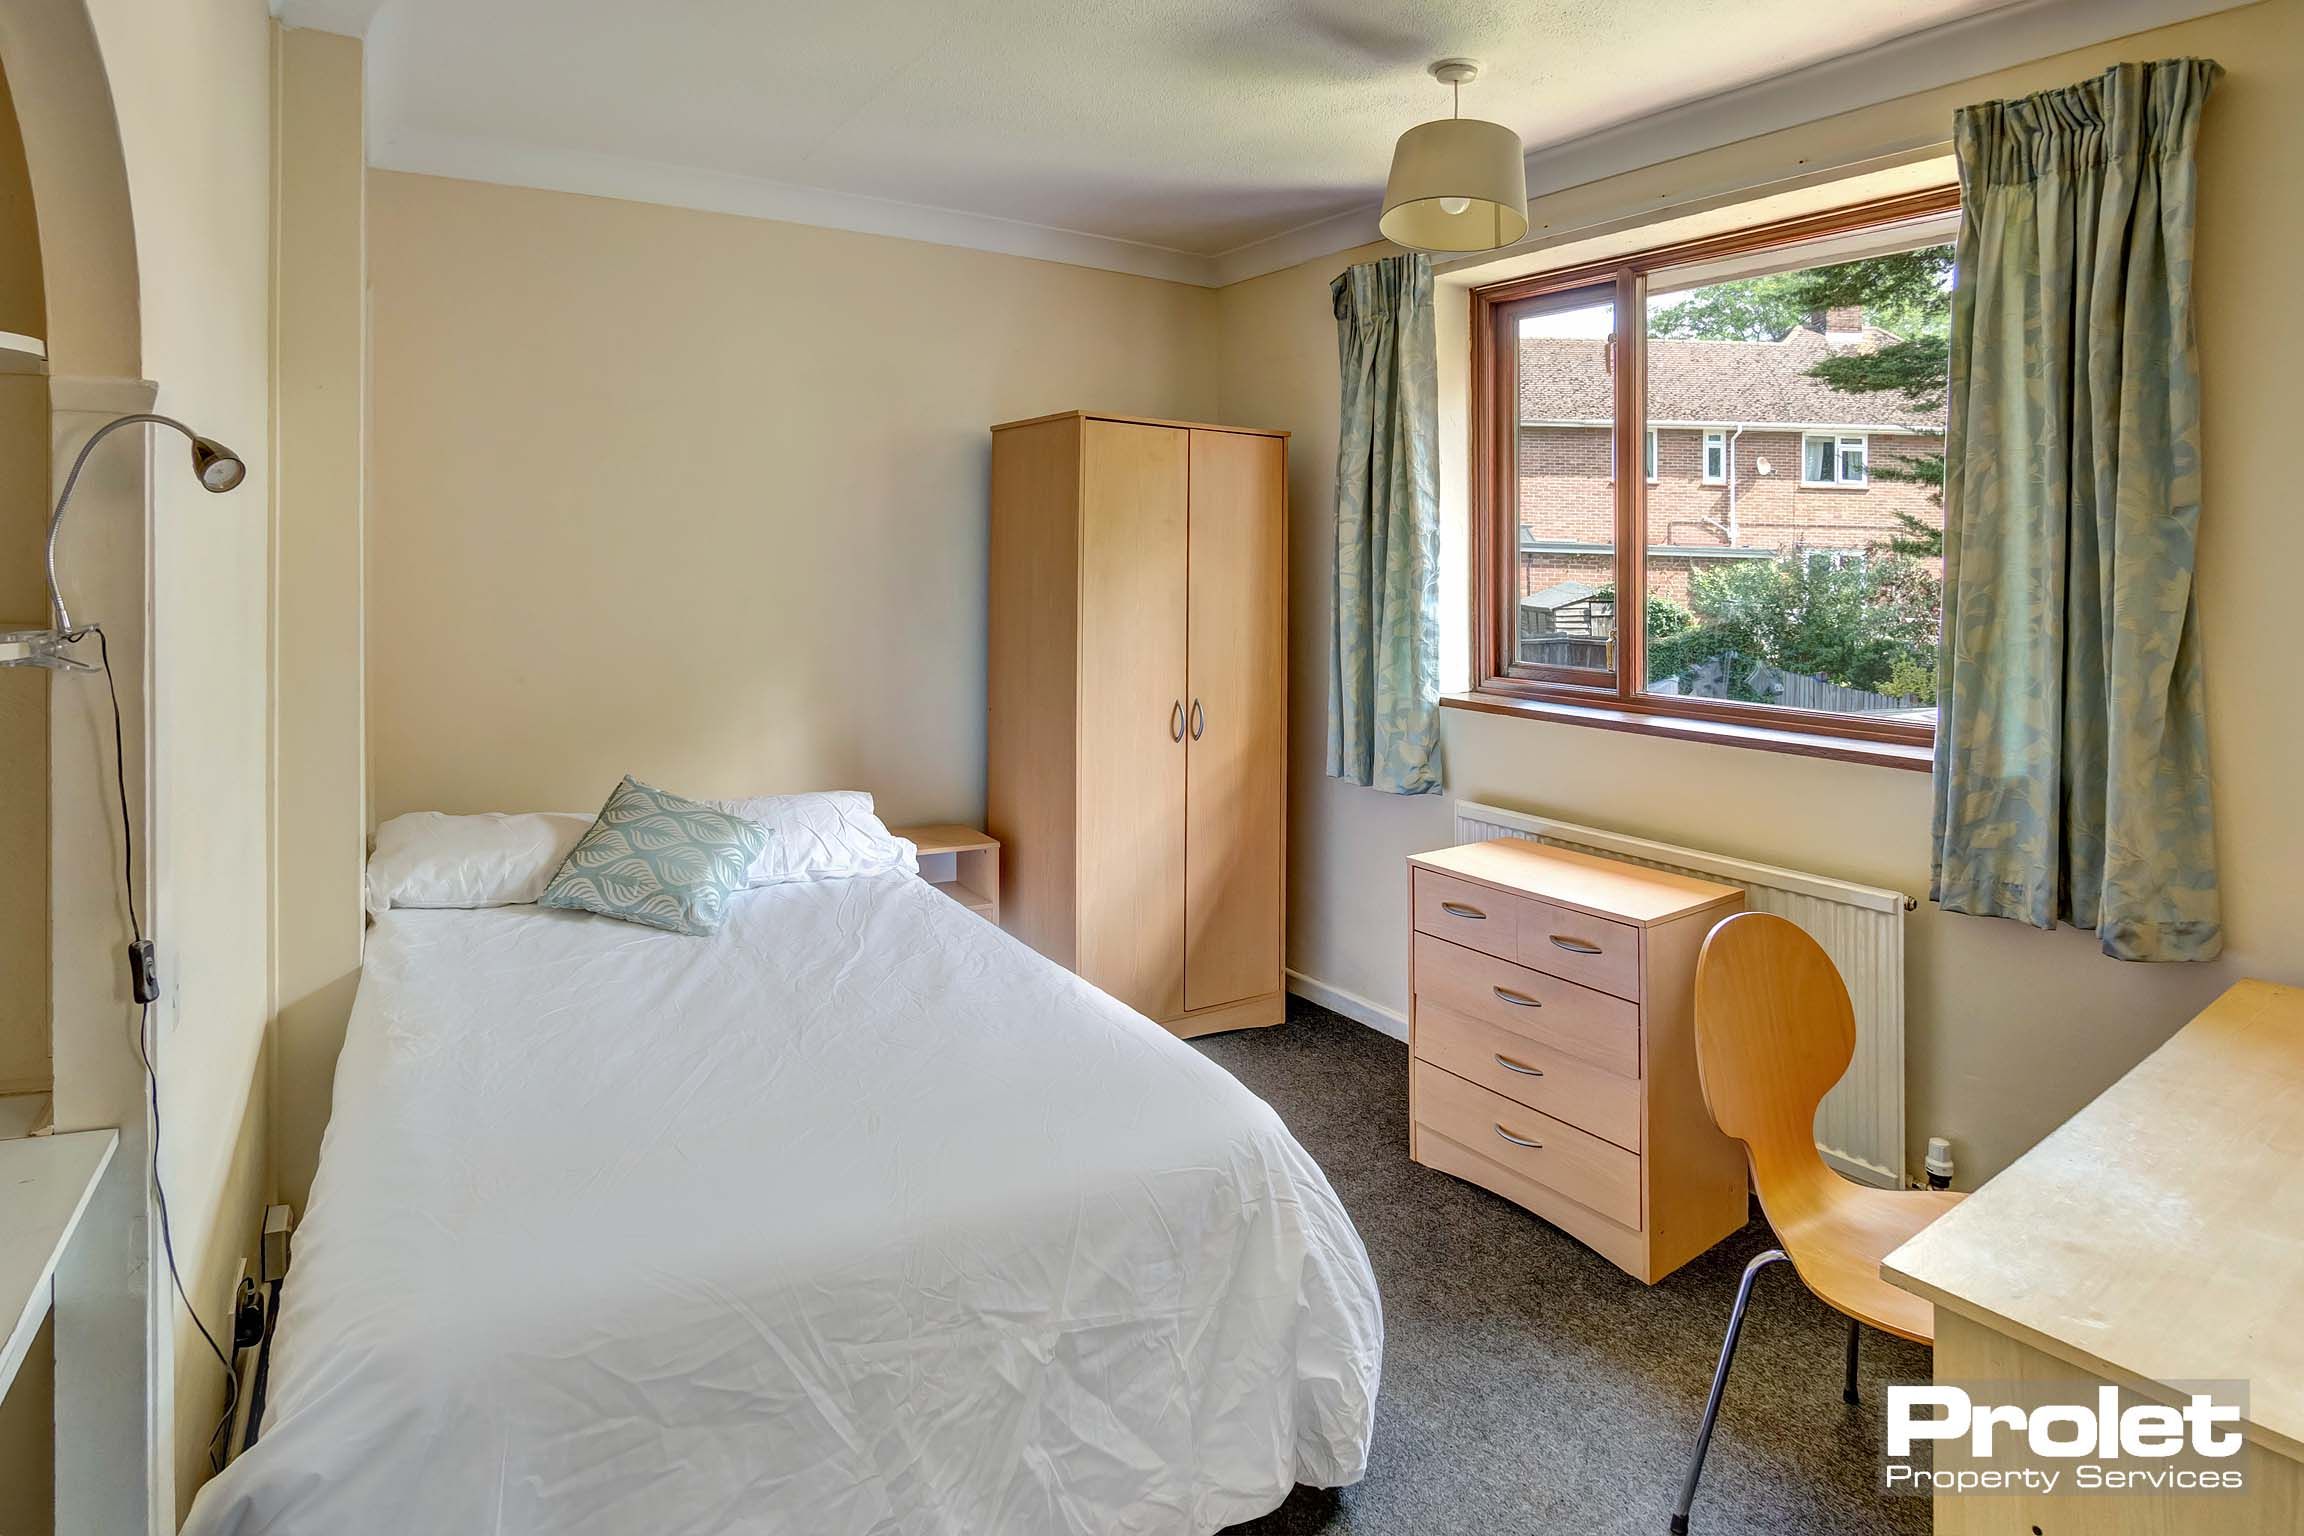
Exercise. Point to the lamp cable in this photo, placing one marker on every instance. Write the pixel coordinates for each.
(216, 1438)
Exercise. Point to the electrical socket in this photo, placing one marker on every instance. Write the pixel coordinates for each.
(247, 1313)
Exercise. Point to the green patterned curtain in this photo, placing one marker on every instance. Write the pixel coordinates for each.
(1384, 659)
(2071, 749)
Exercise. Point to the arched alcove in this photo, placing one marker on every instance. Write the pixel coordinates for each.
(107, 1376)
(79, 186)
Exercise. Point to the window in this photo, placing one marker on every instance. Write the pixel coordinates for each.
(1817, 345)
(1649, 461)
(1827, 459)
(1561, 596)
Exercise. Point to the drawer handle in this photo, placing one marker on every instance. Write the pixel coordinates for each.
(1516, 999)
(1458, 909)
(1509, 1065)
(1520, 1141)
(1575, 946)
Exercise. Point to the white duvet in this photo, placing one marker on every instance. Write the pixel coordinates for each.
(857, 1217)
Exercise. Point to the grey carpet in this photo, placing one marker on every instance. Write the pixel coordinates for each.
(1530, 1386)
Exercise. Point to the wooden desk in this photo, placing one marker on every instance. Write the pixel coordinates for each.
(2156, 1238)
(45, 1185)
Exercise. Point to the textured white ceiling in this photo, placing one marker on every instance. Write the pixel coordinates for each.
(1190, 128)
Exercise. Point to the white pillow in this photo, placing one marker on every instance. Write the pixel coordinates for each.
(828, 835)
(431, 859)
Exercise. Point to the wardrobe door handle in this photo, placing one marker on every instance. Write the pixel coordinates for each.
(1199, 720)
(1574, 946)
(1176, 722)
(1519, 1141)
(1516, 999)
(1458, 909)
(1509, 1065)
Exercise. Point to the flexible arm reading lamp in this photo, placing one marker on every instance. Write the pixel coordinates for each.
(219, 470)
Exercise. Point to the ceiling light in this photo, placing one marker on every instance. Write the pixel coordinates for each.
(1458, 184)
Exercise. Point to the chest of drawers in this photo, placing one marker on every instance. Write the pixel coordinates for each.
(1554, 1060)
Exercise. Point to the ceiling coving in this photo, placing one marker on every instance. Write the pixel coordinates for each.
(1203, 140)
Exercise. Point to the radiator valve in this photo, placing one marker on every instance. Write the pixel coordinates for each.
(1939, 1163)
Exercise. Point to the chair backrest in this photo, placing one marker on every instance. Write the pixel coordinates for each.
(1774, 1032)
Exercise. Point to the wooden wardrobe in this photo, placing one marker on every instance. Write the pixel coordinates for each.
(1136, 773)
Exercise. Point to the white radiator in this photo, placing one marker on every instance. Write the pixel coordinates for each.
(1860, 1127)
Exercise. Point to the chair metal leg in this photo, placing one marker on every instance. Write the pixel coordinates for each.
(1719, 1380)
(1855, 1332)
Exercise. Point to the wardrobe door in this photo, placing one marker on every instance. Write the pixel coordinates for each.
(1235, 806)
(1134, 489)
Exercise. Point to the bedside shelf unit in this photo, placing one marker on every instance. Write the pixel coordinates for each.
(961, 862)
(1552, 1036)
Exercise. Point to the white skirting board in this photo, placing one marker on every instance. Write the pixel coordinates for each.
(1350, 1005)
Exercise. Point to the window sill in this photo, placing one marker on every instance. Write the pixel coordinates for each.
(1842, 749)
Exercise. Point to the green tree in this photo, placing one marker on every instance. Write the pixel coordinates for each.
(1920, 538)
(1861, 626)
(1666, 618)
(1908, 292)
(1748, 309)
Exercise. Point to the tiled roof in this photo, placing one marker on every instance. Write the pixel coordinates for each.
(1712, 382)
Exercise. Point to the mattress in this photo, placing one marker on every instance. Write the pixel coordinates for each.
(857, 1217)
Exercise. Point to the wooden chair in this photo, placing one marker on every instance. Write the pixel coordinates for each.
(1774, 1032)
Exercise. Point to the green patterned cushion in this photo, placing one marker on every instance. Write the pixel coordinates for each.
(657, 859)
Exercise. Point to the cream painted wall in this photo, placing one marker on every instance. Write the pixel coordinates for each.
(700, 498)
(190, 81)
(28, 1442)
(2010, 1029)
(321, 376)
(27, 1411)
(23, 599)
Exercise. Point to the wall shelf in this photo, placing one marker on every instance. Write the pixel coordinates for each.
(22, 354)
(45, 1184)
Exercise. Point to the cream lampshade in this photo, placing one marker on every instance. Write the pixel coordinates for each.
(1458, 184)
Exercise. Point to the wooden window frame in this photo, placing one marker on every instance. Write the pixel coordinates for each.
(1648, 454)
(1613, 697)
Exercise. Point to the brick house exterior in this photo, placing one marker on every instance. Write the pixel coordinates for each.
(1744, 410)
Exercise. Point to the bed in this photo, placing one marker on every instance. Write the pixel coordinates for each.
(858, 1216)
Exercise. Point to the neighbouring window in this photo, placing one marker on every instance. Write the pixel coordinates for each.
(1648, 456)
(1828, 459)
(1750, 368)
